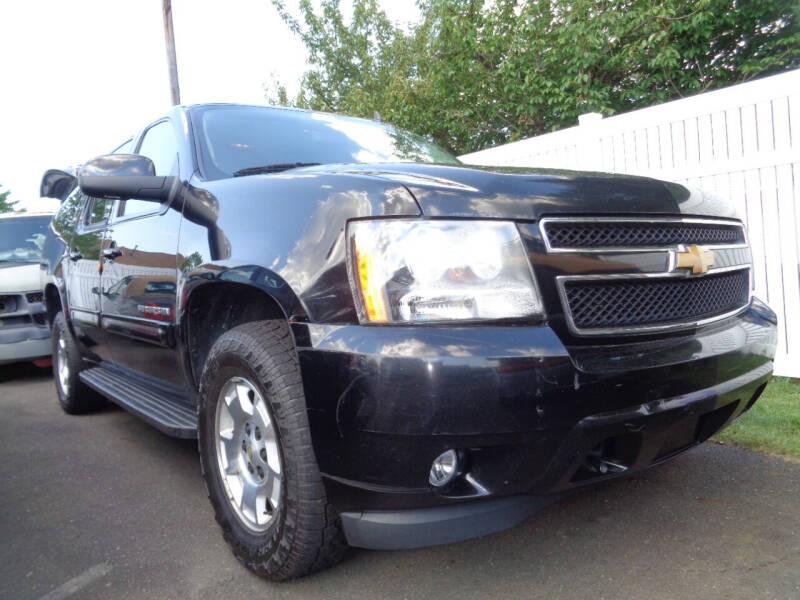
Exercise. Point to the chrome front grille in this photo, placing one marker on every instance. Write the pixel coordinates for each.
(606, 234)
(568, 234)
(621, 275)
(637, 302)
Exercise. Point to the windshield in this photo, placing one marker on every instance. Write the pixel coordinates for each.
(233, 138)
(22, 238)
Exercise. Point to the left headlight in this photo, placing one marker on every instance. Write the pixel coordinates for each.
(405, 270)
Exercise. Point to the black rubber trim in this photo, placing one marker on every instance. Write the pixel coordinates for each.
(417, 528)
(172, 415)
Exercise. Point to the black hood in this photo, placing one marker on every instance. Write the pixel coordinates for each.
(526, 193)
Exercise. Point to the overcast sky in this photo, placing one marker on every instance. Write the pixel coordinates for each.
(77, 78)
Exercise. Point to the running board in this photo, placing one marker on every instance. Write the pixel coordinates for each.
(170, 414)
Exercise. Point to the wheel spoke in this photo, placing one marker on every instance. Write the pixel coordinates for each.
(235, 407)
(249, 499)
(234, 467)
(229, 449)
(272, 485)
(245, 395)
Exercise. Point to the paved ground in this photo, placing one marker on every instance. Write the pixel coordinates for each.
(102, 506)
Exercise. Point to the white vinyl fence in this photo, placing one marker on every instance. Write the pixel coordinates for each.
(741, 142)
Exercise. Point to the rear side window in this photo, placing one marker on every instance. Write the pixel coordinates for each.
(67, 216)
(160, 146)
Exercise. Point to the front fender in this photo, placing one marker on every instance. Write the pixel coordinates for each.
(284, 233)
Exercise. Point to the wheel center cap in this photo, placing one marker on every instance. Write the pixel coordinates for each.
(250, 451)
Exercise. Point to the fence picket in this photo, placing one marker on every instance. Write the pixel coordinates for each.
(678, 145)
(790, 266)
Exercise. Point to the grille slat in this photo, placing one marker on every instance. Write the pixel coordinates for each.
(650, 302)
(621, 234)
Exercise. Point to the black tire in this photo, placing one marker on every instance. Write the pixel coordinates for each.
(73, 395)
(305, 536)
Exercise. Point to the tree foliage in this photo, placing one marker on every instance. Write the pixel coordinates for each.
(477, 73)
(6, 205)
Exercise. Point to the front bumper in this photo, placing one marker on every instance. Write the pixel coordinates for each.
(533, 417)
(25, 350)
(24, 333)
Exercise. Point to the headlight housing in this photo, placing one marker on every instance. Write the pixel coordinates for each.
(413, 270)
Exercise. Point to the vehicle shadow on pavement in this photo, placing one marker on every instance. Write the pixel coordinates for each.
(112, 495)
(24, 371)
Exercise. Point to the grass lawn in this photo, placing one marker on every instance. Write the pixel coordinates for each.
(773, 424)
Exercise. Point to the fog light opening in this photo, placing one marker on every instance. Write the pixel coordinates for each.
(444, 469)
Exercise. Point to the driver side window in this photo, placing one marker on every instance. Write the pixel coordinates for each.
(124, 148)
(160, 146)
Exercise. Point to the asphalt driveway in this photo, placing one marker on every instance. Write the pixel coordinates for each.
(103, 506)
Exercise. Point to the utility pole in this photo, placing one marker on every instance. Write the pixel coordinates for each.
(172, 61)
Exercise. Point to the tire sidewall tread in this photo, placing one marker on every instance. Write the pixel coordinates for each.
(307, 534)
(80, 398)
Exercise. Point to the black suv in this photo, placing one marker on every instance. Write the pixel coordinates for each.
(376, 345)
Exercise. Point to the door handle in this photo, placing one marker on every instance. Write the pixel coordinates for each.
(75, 255)
(111, 253)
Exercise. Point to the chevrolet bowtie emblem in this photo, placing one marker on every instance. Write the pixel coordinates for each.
(696, 258)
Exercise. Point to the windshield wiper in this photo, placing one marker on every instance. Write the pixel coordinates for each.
(273, 168)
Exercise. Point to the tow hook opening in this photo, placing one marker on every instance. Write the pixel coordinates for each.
(611, 456)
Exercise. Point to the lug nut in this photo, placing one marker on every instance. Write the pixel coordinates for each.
(244, 446)
(247, 428)
(263, 454)
(250, 467)
(260, 473)
(258, 433)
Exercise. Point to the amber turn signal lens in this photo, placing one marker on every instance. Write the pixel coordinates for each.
(371, 291)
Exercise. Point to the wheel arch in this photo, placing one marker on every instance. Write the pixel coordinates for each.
(211, 309)
(53, 302)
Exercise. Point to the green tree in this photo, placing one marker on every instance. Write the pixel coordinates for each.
(6, 205)
(477, 73)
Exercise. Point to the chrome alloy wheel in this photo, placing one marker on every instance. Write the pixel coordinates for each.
(248, 455)
(62, 365)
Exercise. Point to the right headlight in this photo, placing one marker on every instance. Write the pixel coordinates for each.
(413, 270)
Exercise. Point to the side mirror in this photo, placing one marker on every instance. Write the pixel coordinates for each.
(57, 184)
(124, 176)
